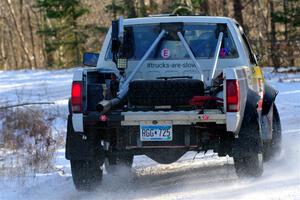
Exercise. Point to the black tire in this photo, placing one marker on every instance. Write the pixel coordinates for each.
(113, 163)
(176, 92)
(249, 163)
(273, 147)
(87, 175)
(250, 166)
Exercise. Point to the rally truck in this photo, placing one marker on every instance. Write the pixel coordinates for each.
(165, 85)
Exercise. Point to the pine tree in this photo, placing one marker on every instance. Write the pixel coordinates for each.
(131, 8)
(191, 7)
(115, 8)
(64, 37)
(127, 8)
(289, 17)
(182, 7)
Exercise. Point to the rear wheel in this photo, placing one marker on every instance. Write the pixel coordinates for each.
(87, 175)
(249, 160)
(273, 147)
(249, 166)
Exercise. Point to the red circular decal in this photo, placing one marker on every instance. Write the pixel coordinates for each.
(165, 53)
(205, 117)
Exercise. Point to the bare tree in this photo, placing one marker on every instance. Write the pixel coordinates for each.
(237, 7)
(22, 47)
(129, 7)
(33, 46)
(19, 32)
(273, 38)
(142, 8)
(225, 8)
(204, 7)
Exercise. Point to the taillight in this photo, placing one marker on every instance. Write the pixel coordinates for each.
(232, 95)
(76, 98)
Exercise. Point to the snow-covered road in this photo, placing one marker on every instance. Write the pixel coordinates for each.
(205, 177)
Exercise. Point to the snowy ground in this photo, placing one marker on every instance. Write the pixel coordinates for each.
(205, 177)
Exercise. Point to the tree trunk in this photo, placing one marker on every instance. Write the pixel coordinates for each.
(41, 21)
(204, 7)
(265, 37)
(285, 7)
(290, 48)
(274, 55)
(39, 50)
(142, 9)
(152, 6)
(224, 8)
(14, 50)
(32, 38)
(165, 6)
(129, 6)
(21, 15)
(114, 10)
(237, 8)
(19, 33)
(76, 44)
(2, 52)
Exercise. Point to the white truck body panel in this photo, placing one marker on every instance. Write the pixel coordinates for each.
(77, 120)
(78, 75)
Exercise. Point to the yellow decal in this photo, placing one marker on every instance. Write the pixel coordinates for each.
(257, 80)
(257, 73)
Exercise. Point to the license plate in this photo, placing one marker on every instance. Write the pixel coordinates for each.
(157, 132)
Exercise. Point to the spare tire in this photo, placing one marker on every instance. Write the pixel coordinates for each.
(176, 92)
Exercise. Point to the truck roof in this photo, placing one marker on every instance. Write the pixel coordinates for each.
(163, 19)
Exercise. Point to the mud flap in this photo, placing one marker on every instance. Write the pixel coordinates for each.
(249, 137)
(80, 148)
(269, 98)
(246, 146)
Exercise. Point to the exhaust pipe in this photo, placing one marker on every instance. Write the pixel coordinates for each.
(105, 105)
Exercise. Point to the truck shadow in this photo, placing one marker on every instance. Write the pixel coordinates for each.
(163, 179)
(207, 179)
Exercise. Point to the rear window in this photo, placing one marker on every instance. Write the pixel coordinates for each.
(202, 39)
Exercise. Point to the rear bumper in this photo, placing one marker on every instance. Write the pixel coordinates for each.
(135, 118)
(184, 136)
(190, 129)
(175, 117)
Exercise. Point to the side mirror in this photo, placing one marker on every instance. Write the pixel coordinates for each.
(90, 59)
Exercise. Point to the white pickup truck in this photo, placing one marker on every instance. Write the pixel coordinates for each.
(162, 86)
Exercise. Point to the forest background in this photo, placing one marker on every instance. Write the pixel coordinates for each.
(52, 34)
